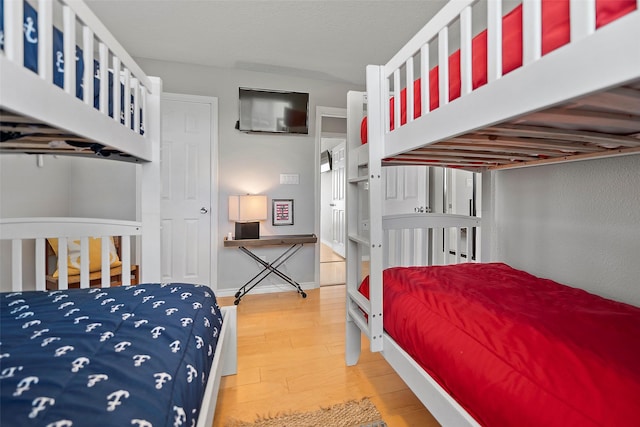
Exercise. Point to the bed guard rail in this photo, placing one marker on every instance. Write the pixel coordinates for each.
(409, 240)
(20, 230)
(582, 24)
(87, 40)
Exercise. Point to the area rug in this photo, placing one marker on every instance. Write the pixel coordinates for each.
(354, 413)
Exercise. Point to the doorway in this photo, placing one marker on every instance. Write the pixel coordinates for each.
(331, 128)
(188, 190)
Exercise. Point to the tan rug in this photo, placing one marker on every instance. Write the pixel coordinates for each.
(349, 414)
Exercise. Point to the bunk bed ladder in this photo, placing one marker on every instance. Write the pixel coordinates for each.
(364, 221)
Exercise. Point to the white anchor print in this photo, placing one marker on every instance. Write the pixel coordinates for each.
(175, 346)
(161, 379)
(92, 326)
(9, 372)
(121, 346)
(180, 418)
(157, 331)
(139, 359)
(77, 320)
(40, 404)
(115, 399)
(191, 373)
(79, 363)
(31, 323)
(25, 385)
(61, 351)
(95, 379)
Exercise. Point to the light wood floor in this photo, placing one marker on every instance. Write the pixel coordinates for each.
(332, 267)
(291, 358)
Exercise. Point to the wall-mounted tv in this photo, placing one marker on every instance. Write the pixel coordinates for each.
(325, 161)
(273, 111)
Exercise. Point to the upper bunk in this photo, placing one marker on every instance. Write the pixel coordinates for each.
(544, 81)
(50, 107)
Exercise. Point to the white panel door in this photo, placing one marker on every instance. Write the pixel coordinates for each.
(405, 189)
(338, 188)
(185, 162)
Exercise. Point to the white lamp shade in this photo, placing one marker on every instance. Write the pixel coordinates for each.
(248, 208)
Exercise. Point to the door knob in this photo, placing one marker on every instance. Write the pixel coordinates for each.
(203, 210)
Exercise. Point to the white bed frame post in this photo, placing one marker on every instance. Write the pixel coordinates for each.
(377, 90)
(149, 190)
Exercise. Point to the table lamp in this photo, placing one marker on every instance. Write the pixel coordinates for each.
(247, 211)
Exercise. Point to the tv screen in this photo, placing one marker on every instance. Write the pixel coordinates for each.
(273, 111)
(325, 161)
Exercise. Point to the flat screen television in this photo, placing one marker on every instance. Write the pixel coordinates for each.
(325, 161)
(273, 111)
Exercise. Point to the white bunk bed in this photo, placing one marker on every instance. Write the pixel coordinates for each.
(50, 109)
(580, 101)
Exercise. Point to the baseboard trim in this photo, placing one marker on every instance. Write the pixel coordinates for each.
(266, 289)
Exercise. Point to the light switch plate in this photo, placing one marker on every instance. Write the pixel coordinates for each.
(290, 178)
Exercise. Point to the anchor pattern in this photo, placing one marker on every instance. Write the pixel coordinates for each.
(76, 354)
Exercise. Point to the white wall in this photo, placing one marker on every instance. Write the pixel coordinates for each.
(66, 186)
(576, 223)
(252, 163)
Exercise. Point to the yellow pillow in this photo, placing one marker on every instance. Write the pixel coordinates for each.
(95, 255)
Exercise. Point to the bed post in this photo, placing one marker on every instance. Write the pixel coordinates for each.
(149, 188)
(487, 209)
(376, 84)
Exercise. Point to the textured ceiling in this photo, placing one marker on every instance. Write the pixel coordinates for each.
(331, 39)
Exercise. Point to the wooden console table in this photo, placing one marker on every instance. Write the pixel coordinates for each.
(295, 243)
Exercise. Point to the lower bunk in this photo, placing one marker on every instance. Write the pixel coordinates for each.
(148, 355)
(486, 344)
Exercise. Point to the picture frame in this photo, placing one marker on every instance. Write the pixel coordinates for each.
(282, 212)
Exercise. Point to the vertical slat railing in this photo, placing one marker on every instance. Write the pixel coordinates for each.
(41, 268)
(103, 69)
(397, 104)
(136, 105)
(39, 230)
(45, 40)
(116, 89)
(127, 98)
(16, 265)
(424, 75)
(84, 262)
(105, 262)
(458, 250)
(443, 66)
(63, 272)
(466, 66)
(410, 87)
(69, 49)
(87, 52)
(494, 40)
(13, 19)
(531, 31)
(582, 18)
(125, 248)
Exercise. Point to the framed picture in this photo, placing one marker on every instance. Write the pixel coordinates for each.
(282, 213)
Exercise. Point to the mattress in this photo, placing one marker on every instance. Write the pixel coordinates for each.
(122, 356)
(514, 349)
(555, 33)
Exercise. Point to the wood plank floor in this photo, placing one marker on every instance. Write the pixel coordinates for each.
(291, 358)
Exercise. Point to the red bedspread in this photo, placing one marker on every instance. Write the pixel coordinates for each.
(555, 33)
(516, 350)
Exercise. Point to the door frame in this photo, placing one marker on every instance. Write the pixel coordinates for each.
(339, 113)
(213, 208)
